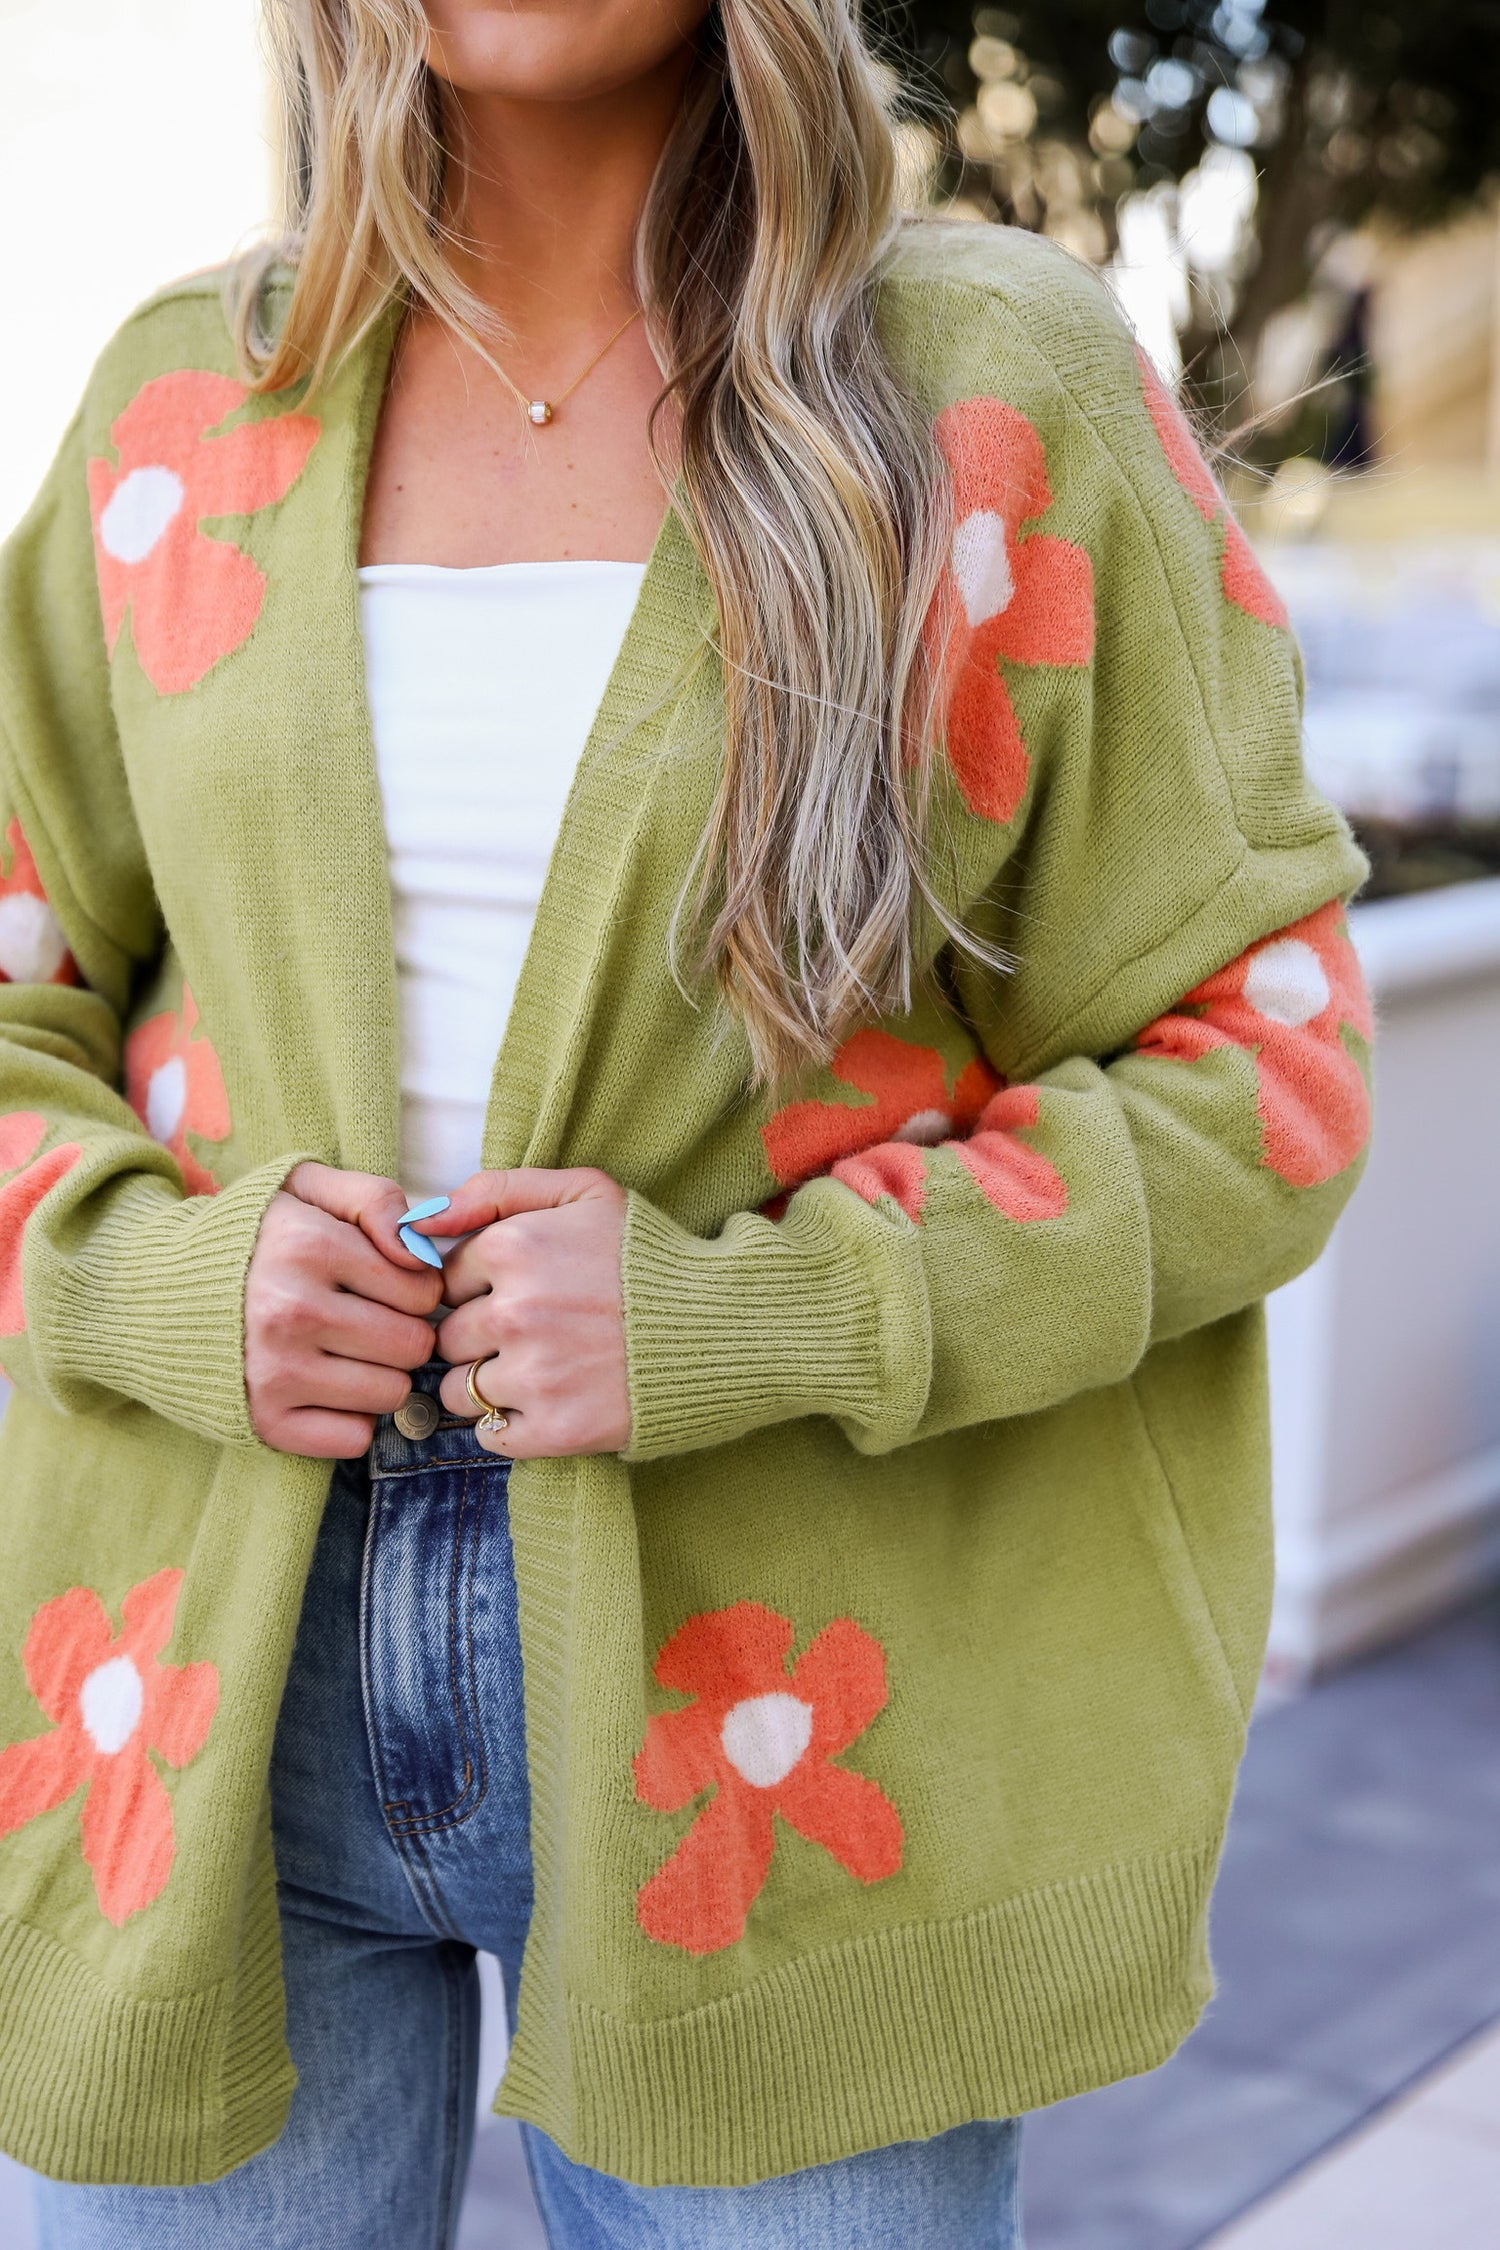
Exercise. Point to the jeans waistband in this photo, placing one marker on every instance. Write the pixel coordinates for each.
(452, 1442)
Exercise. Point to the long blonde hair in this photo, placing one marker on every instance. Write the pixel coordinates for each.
(810, 479)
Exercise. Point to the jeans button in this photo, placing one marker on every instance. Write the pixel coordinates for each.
(419, 1416)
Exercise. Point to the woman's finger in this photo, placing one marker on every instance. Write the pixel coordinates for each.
(489, 1380)
(361, 1199)
(469, 1334)
(468, 1269)
(489, 1196)
(356, 1328)
(320, 1436)
(454, 1393)
(353, 1386)
(352, 1262)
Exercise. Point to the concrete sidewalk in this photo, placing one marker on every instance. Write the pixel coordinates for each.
(1357, 1941)
(1425, 2170)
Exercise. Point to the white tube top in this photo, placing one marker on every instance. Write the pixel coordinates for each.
(483, 686)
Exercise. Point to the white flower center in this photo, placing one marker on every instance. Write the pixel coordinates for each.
(1286, 982)
(166, 1099)
(981, 565)
(926, 1128)
(138, 511)
(32, 946)
(110, 1700)
(764, 1736)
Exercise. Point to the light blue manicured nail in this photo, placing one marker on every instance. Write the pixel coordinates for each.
(420, 1247)
(427, 1210)
(418, 1244)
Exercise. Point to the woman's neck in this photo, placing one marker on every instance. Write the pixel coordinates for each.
(546, 199)
(545, 202)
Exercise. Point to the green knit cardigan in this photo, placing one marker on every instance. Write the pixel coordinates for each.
(884, 1697)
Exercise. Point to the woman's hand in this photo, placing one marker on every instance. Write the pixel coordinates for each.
(333, 1313)
(538, 1298)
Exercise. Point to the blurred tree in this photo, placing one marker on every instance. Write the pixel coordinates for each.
(1052, 113)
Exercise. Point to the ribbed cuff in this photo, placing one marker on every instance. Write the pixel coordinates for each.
(150, 1306)
(771, 1321)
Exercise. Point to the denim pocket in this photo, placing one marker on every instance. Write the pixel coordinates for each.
(417, 1634)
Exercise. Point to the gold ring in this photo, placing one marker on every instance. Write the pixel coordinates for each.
(493, 1420)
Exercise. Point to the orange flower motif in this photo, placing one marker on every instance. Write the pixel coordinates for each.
(111, 1703)
(880, 1149)
(908, 1101)
(175, 1086)
(763, 1740)
(21, 1135)
(1244, 582)
(33, 949)
(192, 599)
(1016, 1178)
(1003, 597)
(1286, 1002)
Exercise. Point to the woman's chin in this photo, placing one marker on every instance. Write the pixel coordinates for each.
(555, 50)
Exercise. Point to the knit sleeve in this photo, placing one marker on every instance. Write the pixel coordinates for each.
(1164, 1103)
(115, 1284)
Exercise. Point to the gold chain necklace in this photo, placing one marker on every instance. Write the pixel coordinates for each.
(541, 410)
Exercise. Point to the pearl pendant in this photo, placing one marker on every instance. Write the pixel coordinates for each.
(539, 411)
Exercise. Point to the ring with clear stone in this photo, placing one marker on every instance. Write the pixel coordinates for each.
(493, 1420)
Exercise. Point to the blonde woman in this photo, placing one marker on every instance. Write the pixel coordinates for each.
(732, 746)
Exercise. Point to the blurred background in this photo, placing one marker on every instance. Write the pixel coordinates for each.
(1297, 204)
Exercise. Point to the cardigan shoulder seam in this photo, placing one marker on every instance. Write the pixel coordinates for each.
(1127, 479)
(995, 290)
(1030, 1063)
(207, 286)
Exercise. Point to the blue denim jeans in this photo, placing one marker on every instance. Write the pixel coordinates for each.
(402, 1843)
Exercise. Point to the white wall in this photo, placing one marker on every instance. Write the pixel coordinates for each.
(132, 150)
(1385, 1358)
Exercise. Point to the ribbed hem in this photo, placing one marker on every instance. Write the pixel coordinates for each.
(151, 1305)
(894, 2039)
(104, 2088)
(768, 1322)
